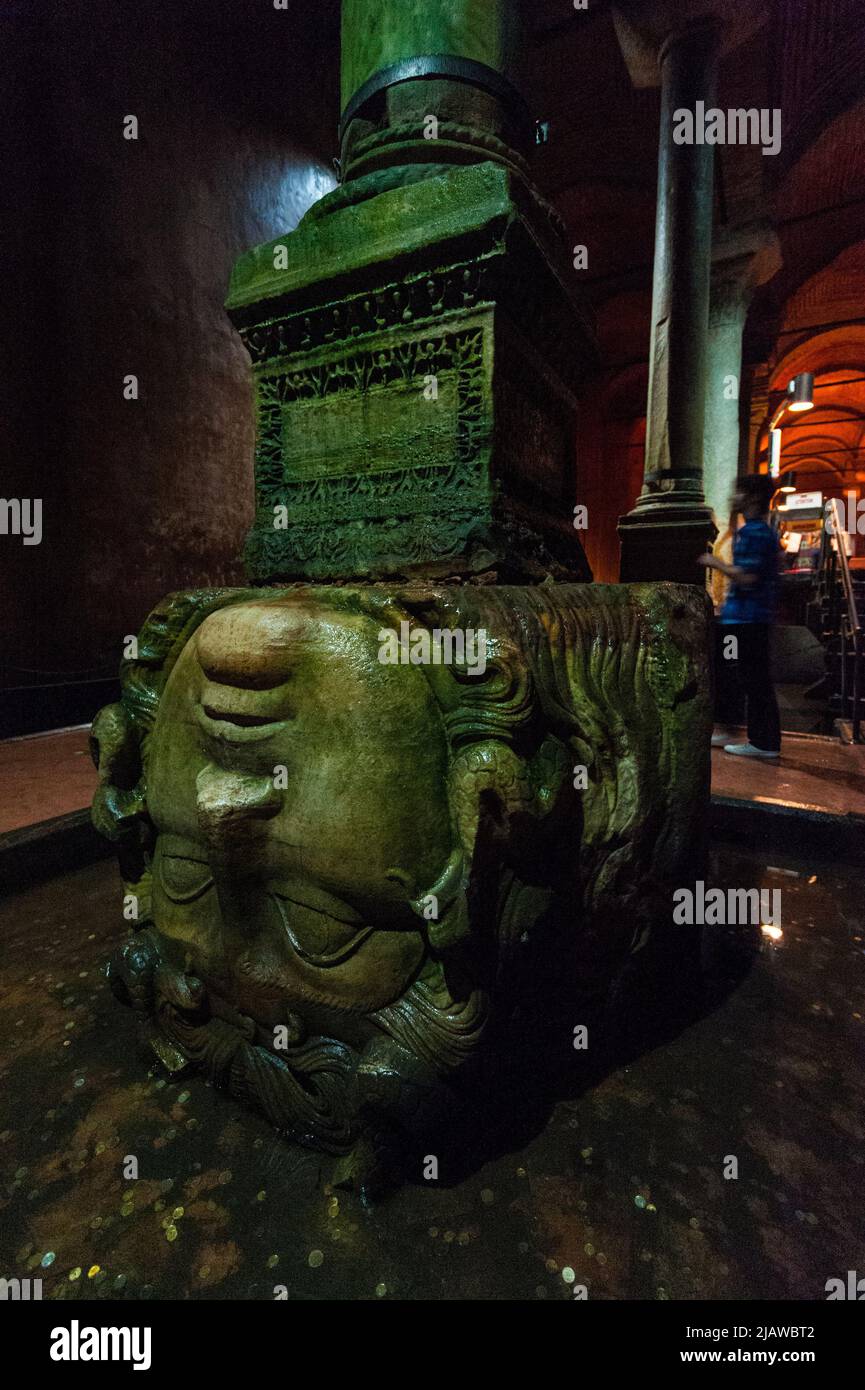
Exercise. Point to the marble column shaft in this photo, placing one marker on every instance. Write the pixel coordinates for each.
(671, 523)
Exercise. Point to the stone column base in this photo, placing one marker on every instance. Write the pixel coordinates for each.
(664, 545)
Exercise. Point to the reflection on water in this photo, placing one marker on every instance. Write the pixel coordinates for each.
(615, 1182)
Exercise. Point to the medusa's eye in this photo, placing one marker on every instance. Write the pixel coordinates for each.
(183, 876)
(316, 936)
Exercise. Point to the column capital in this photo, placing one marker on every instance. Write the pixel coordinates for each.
(644, 27)
(742, 259)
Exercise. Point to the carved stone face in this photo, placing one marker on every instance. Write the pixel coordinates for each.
(287, 805)
(297, 787)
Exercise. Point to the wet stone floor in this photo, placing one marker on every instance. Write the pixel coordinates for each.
(620, 1190)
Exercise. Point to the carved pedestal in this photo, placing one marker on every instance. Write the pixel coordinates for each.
(415, 349)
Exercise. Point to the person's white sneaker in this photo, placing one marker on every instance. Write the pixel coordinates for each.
(747, 750)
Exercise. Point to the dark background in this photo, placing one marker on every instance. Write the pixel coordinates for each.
(116, 261)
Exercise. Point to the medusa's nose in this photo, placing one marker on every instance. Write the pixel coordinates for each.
(249, 645)
(247, 654)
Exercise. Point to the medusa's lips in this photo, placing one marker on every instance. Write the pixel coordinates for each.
(240, 716)
(236, 728)
(339, 940)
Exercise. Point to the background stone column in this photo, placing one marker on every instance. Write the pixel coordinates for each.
(671, 524)
(740, 263)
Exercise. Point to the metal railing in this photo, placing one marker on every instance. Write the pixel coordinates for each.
(843, 618)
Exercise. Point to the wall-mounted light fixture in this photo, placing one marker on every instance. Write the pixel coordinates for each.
(800, 392)
(800, 396)
(774, 452)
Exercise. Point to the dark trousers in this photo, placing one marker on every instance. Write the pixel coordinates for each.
(744, 678)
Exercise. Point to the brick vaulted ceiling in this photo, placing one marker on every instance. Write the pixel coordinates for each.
(599, 167)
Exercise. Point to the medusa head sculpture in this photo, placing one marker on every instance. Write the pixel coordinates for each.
(348, 867)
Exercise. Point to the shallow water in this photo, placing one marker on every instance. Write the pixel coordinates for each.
(619, 1188)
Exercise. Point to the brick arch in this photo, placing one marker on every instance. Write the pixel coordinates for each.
(611, 439)
(825, 447)
(837, 359)
(819, 202)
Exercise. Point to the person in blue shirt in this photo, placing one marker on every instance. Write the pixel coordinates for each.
(749, 612)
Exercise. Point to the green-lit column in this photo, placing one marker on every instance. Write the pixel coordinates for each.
(377, 36)
(404, 61)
